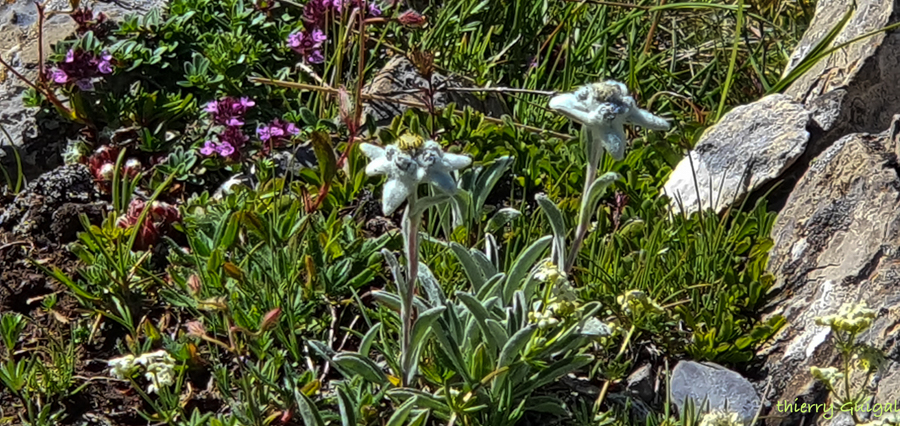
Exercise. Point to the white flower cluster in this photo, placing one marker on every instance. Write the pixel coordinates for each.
(159, 368)
(637, 301)
(543, 319)
(830, 376)
(721, 418)
(852, 318)
(409, 163)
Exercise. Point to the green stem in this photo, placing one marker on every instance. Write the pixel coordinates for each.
(584, 220)
(618, 356)
(411, 221)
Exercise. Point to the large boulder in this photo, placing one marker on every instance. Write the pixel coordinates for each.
(854, 89)
(750, 146)
(709, 386)
(836, 242)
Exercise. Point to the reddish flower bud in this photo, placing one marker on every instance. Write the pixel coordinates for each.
(194, 284)
(270, 319)
(195, 328)
(132, 167)
(412, 19)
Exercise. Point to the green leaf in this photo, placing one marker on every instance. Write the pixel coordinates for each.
(346, 407)
(425, 399)
(402, 412)
(481, 316)
(363, 366)
(515, 345)
(307, 410)
(558, 225)
(327, 163)
(473, 272)
(523, 265)
(366, 344)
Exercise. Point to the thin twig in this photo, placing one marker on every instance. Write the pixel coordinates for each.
(369, 97)
(501, 90)
(612, 3)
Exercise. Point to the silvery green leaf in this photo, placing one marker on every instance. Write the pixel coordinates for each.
(497, 331)
(523, 265)
(432, 288)
(402, 413)
(425, 203)
(501, 218)
(589, 202)
(321, 349)
(480, 316)
(547, 404)
(425, 399)
(558, 225)
(346, 407)
(392, 301)
(476, 277)
(395, 267)
(307, 410)
(595, 328)
(489, 179)
(461, 203)
(491, 250)
(420, 418)
(519, 310)
(553, 372)
(484, 264)
(366, 344)
(491, 287)
(423, 324)
(514, 345)
(362, 366)
(451, 350)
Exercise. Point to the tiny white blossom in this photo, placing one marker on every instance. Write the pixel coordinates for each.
(121, 367)
(721, 418)
(604, 108)
(159, 369)
(407, 165)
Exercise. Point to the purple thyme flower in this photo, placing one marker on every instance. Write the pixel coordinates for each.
(70, 56)
(225, 149)
(209, 148)
(60, 76)
(85, 84)
(229, 111)
(105, 66)
(308, 44)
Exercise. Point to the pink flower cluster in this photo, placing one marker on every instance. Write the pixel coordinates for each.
(228, 112)
(308, 44)
(276, 133)
(81, 67)
(158, 221)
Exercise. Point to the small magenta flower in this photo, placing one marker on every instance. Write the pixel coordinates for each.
(225, 149)
(209, 148)
(60, 76)
(308, 44)
(105, 66)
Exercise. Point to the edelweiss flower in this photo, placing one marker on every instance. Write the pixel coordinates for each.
(604, 108)
(408, 164)
(721, 418)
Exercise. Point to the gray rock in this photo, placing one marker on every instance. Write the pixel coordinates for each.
(856, 88)
(750, 146)
(836, 242)
(718, 386)
(641, 383)
(31, 212)
(19, 48)
(399, 79)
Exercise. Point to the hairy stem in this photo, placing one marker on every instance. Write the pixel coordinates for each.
(411, 220)
(584, 220)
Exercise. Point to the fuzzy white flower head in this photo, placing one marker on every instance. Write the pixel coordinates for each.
(721, 418)
(122, 367)
(408, 164)
(160, 369)
(604, 108)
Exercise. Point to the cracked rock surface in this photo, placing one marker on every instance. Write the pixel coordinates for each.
(41, 208)
(836, 242)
